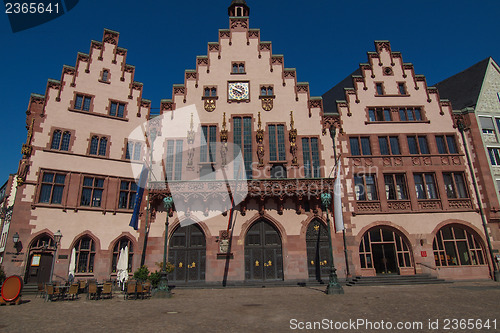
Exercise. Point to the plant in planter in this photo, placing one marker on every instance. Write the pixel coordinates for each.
(156, 276)
(142, 274)
(2, 275)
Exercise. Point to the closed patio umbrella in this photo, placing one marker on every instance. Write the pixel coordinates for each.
(72, 266)
(122, 266)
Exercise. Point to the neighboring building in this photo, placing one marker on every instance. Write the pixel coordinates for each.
(76, 175)
(409, 207)
(7, 197)
(475, 96)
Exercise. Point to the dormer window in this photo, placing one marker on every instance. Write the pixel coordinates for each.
(239, 11)
(210, 92)
(238, 68)
(105, 74)
(266, 91)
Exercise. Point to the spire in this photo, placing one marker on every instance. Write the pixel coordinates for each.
(238, 8)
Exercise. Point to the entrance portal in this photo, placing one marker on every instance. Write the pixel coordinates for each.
(187, 252)
(263, 254)
(385, 250)
(318, 256)
(40, 260)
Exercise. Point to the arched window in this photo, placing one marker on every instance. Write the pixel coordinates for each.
(56, 140)
(456, 246)
(65, 141)
(105, 74)
(85, 254)
(43, 241)
(207, 92)
(103, 143)
(121, 244)
(235, 68)
(94, 144)
(242, 68)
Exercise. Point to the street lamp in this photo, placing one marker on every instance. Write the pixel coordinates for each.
(57, 239)
(333, 285)
(163, 290)
(15, 238)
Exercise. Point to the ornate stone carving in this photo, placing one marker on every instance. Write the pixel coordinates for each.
(399, 205)
(209, 104)
(179, 90)
(213, 47)
(276, 60)
(368, 206)
(267, 103)
(223, 139)
(265, 46)
(387, 161)
(460, 203)
(292, 135)
(239, 23)
(430, 205)
(456, 160)
(259, 136)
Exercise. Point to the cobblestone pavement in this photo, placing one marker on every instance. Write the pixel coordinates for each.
(278, 309)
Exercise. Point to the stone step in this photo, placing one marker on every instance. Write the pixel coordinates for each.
(395, 280)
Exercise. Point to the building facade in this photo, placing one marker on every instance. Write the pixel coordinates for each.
(76, 174)
(409, 202)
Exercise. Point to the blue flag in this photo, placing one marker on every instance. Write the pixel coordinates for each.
(134, 221)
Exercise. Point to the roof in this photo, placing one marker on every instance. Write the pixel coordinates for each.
(337, 93)
(463, 89)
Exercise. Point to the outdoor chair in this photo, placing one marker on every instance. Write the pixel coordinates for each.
(107, 290)
(41, 290)
(92, 291)
(51, 293)
(146, 290)
(130, 289)
(82, 285)
(140, 290)
(72, 292)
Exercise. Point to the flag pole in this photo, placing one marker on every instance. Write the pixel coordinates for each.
(146, 229)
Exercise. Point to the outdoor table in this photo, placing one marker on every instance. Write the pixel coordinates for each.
(63, 289)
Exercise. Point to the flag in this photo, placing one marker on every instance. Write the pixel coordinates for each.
(337, 201)
(134, 221)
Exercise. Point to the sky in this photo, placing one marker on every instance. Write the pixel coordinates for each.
(324, 40)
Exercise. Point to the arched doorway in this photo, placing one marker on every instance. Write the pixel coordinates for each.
(385, 250)
(187, 252)
(40, 258)
(318, 251)
(263, 254)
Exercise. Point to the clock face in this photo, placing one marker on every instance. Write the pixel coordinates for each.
(238, 90)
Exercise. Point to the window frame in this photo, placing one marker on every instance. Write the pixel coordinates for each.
(118, 104)
(242, 137)
(379, 89)
(453, 186)
(411, 110)
(129, 192)
(90, 260)
(116, 253)
(53, 184)
(93, 188)
(240, 67)
(446, 144)
(277, 141)
(379, 114)
(374, 193)
(425, 185)
(99, 149)
(442, 255)
(397, 193)
(313, 171)
(360, 145)
(418, 144)
(82, 106)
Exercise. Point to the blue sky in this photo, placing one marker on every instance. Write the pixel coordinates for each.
(324, 40)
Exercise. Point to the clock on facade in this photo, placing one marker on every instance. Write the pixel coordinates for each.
(238, 90)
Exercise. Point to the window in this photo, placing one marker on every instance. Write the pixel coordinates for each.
(360, 146)
(56, 142)
(311, 157)
(277, 142)
(52, 188)
(105, 75)
(98, 146)
(487, 125)
(134, 151)
(494, 156)
(128, 191)
(85, 253)
(455, 246)
(454, 185)
(243, 139)
(380, 89)
(410, 114)
(498, 185)
(120, 245)
(365, 188)
(173, 162)
(92, 192)
(380, 238)
(389, 146)
(418, 145)
(208, 140)
(425, 186)
(446, 144)
(395, 187)
(379, 114)
(266, 91)
(401, 88)
(498, 123)
(238, 68)
(117, 109)
(210, 92)
(82, 102)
